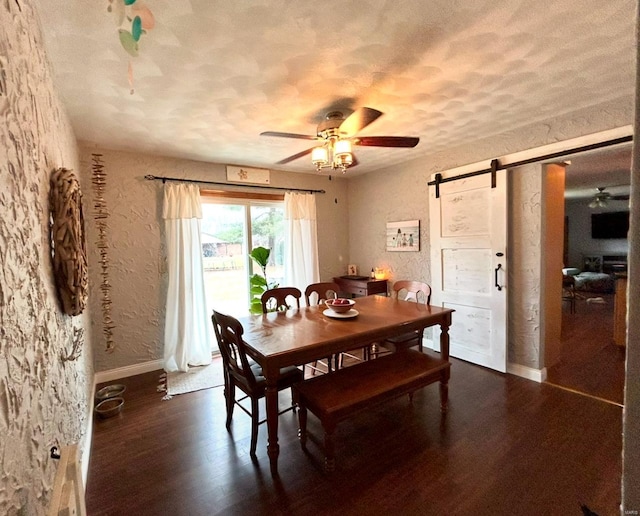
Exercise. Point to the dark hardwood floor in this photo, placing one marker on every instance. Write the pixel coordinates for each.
(590, 362)
(508, 446)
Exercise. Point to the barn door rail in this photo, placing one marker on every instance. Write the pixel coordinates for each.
(496, 165)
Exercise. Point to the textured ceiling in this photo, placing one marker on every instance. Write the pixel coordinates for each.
(210, 76)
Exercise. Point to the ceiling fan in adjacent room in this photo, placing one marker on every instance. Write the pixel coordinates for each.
(337, 136)
(601, 198)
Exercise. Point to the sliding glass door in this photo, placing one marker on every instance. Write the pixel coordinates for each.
(230, 229)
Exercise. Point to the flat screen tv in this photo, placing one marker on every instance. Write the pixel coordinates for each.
(612, 224)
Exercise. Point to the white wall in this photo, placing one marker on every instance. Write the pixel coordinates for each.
(43, 400)
(136, 253)
(580, 241)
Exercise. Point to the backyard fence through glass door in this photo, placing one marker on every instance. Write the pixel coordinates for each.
(230, 229)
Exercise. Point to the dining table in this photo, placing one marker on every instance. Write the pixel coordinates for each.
(299, 336)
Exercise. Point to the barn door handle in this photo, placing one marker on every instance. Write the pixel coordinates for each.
(498, 286)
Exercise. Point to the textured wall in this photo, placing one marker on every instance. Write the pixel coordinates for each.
(137, 269)
(525, 272)
(400, 193)
(390, 196)
(43, 401)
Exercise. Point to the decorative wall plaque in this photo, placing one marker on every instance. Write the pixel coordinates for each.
(259, 176)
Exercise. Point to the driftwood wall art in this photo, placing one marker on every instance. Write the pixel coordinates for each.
(101, 214)
(67, 241)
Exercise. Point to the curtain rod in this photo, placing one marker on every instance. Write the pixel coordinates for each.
(150, 177)
(497, 166)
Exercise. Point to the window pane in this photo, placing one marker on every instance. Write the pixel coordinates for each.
(225, 236)
(267, 230)
(224, 257)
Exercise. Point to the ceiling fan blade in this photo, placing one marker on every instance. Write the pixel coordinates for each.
(294, 157)
(358, 120)
(386, 141)
(289, 135)
(619, 197)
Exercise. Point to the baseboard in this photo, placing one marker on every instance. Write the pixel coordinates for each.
(88, 439)
(126, 371)
(537, 375)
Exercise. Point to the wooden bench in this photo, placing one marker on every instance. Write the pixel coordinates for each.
(339, 395)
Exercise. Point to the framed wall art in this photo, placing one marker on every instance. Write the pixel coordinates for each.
(403, 236)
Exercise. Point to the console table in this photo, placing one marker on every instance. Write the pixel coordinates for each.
(361, 286)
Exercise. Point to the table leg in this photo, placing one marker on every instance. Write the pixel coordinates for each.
(444, 337)
(444, 353)
(271, 400)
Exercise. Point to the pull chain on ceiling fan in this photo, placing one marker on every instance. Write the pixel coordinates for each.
(337, 135)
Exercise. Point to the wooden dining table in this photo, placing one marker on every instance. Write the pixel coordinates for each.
(300, 336)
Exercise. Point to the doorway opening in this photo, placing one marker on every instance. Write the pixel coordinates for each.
(592, 359)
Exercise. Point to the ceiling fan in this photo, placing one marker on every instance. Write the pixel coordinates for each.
(602, 198)
(337, 135)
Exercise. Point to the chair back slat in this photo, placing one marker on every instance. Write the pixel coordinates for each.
(275, 299)
(320, 292)
(229, 332)
(412, 291)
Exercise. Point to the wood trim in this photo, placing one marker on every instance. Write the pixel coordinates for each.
(227, 194)
(536, 375)
(126, 371)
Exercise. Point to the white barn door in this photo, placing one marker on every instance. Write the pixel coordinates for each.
(468, 236)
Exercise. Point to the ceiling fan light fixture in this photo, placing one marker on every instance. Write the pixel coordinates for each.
(336, 154)
(320, 156)
(342, 161)
(342, 156)
(342, 149)
(598, 203)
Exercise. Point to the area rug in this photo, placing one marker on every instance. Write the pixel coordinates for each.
(196, 379)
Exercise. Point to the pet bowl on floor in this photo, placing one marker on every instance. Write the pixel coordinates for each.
(109, 407)
(110, 391)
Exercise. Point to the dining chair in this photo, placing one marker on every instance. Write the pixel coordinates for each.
(408, 290)
(275, 299)
(320, 292)
(243, 373)
(317, 294)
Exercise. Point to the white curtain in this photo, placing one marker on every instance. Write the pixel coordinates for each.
(186, 339)
(301, 240)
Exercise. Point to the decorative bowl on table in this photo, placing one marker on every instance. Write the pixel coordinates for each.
(340, 305)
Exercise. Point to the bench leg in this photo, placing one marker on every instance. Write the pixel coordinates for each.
(302, 426)
(329, 449)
